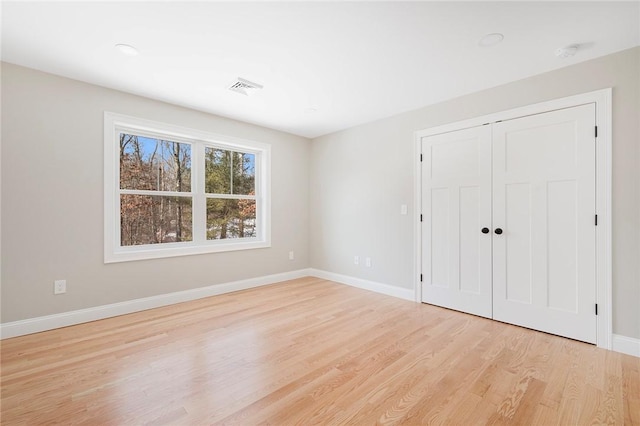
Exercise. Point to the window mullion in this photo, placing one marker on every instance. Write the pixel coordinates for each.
(231, 196)
(153, 193)
(257, 189)
(231, 172)
(199, 200)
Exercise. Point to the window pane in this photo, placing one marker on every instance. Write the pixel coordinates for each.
(148, 219)
(217, 171)
(229, 172)
(244, 173)
(231, 219)
(154, 165)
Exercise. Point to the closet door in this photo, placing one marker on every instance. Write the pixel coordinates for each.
(456, 197)
(544, 204)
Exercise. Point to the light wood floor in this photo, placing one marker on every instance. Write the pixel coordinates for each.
(311, 352)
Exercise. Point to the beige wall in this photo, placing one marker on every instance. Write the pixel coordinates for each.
(52, 200)
(361, 176)
(337, 197)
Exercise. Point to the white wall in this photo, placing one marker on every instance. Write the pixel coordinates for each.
(361, 176)
(52, 200)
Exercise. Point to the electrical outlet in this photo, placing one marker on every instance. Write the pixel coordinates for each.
(59, 286)
(356, 260)
(367, 262)
(291, 255)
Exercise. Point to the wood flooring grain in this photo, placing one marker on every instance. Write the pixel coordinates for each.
(310, 351)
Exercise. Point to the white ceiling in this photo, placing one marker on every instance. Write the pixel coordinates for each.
(353, 62)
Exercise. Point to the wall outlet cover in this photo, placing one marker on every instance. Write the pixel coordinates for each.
(59, 286)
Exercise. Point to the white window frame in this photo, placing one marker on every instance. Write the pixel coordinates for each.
(114, 124)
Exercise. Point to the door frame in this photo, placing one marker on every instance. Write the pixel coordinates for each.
(603, 101)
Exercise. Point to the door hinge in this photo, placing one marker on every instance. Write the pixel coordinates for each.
(420, 157)
(420, 277)
(596, 131)
(596, 309)
(420, 218)
(596, 221)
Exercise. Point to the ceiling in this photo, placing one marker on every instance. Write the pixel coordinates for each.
(325, 66)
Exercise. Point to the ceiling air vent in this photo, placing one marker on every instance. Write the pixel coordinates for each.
(244, 87)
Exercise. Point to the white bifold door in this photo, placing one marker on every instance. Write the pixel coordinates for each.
(456, 205)
(509, 221)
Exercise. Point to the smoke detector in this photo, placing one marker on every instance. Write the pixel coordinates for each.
(568, 51)
(491, 39)
(244, 87)
(126, 49)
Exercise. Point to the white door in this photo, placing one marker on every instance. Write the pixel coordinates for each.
(456, 197)
(544, 203)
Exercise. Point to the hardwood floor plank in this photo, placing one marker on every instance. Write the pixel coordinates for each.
(631, 389)
(310, 351)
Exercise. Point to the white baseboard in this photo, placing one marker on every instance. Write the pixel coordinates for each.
(626, 345)
(49, 322)
(389, 290)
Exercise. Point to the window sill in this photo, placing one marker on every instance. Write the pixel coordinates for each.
(133, 253)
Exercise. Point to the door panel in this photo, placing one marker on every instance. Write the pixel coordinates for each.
(440, 220)
(562, 233)
(456, 196)
(470, 239)
(544, 200)
(518, 250)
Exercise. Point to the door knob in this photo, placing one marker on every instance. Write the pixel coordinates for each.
(485, 230)
(498, 231)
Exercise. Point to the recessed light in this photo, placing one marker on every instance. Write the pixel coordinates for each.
(490, 40)
(310, 110)
(127, 49)
(567, 51)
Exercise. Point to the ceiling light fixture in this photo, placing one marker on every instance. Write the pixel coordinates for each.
(127, 49)
(490, 40)
(245, 87)
(310, 110)
(567, 51)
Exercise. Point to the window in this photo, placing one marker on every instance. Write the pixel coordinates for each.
(172, 191)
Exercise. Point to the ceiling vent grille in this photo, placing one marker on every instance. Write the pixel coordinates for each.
(244, 87)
